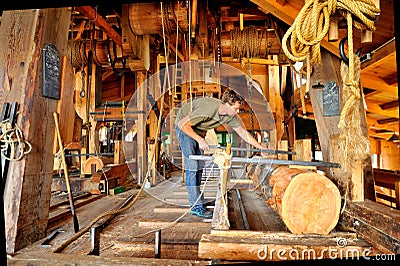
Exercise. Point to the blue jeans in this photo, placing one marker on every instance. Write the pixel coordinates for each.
(193, 168)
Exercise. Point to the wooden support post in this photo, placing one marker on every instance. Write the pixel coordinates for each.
(397, 193)
(28, 191)
(328, 131)
(141, 126)
(220, 219)
(284, 146)
(302, 148)
(152, 147)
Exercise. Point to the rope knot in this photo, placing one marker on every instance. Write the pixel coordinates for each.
(353, 86)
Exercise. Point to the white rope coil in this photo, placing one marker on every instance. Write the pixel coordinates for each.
(12, 139)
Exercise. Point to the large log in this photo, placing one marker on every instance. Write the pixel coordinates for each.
(308, 202)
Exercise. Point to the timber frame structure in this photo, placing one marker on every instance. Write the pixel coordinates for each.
(130, 64)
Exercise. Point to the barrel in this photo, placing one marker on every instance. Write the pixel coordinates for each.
(103, 51)
(147, 18)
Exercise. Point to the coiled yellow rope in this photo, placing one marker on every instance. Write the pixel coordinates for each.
(312, 24)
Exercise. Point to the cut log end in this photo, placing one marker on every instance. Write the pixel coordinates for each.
(308, 202)
(311, 204)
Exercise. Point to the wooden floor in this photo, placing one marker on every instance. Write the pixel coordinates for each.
(129, 238)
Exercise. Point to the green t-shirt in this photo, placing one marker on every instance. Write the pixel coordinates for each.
(204, 115)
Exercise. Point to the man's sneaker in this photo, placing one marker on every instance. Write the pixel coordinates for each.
(209, 203)
(201, 212)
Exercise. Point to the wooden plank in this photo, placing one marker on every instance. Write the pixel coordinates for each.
(185, 250)
(65, 106)
(156, 224)
(99, 21)
(51, 259)
(379, 224)
(302, 147)
(261, 246)
(170, 209)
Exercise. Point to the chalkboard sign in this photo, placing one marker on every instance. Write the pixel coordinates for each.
(51, 72)
(330, 99)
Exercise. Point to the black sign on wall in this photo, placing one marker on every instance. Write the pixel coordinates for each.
(51, 72)
(330, 99)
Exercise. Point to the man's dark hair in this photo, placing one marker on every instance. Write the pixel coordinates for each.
(230, 97)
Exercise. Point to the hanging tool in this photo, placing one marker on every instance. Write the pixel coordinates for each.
(344, 57)
(4, 115)
(71, 199)
(12, 117)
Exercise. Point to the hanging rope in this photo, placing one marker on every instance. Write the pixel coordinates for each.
(312, 24)
(356, 144)
(309, 28)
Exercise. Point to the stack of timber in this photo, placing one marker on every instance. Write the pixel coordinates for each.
(307, 202)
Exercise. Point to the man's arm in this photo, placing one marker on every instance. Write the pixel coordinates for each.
(246, 136)
(186, 126)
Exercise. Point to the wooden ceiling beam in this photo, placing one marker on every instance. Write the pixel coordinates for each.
(288, 13)
(387, 120)
(99, 21)
(374, 107)
(390, 105)
(373, 82)
(382, 124)
(384, 53)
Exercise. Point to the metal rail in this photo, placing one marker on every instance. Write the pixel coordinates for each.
(254, 150)
(269, 161)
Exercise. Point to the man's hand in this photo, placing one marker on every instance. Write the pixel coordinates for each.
(204, 145)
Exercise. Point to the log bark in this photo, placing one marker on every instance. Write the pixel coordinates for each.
(308, 202)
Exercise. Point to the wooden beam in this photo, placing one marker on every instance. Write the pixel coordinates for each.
(373, 106)
(380, 55)
(80, 30)
(245, 245)
(375, 222)
(287, 13)
(99, 21)
(28, 187)
(378, 84)
(141, 127)
(390, 105)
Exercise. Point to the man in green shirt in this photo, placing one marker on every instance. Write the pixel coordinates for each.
(192, 122)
